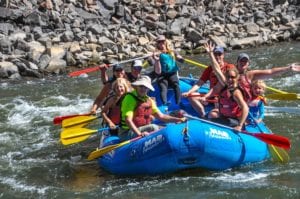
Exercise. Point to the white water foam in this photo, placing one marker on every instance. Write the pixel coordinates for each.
(239, 177)
(23, 187)
(23, 112)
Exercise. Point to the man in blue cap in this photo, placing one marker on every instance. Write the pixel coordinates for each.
(208, 75)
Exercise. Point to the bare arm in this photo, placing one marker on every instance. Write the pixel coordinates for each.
(194, 88)
(267, 73)
(213, 91)
(104, 112)
(238, 97)
(104, 76)
(167, 118)
(157, 65)
(215, 65)
(103, 93)
(132, 126)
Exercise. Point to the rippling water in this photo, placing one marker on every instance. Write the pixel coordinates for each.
(33, 164)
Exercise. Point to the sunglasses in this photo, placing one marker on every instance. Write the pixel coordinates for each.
(137, 68)
(231, 77)
(143, 87)
(218, 54)
(118, 70)
(243, 60)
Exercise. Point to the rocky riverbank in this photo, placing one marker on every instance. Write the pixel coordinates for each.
(39, 37)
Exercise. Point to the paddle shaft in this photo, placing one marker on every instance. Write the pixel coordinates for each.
(205, 66)
(276, 153)
(273, 139)
(92, 69)
(99, 152)
(283, 96)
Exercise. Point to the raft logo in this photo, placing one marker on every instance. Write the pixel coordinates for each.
(215, 133)
(153, 142)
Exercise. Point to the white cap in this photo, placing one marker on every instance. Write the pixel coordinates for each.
(137, 63)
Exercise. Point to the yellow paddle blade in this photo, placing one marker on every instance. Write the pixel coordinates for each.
(99, 152)
(77, 121)
(76, 132)
(278, 154)
(74, 140)
(283, 96)
(195, 63)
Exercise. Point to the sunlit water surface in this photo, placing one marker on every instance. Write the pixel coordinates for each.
(33, 164)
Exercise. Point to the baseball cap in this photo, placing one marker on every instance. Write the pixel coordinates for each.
(219, 49)
(117, 67)
(242, 56)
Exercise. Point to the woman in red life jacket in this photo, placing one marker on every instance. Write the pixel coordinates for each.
(257, 102)
(233, 110)
(111, 111)
(247, 76)
(208, 75)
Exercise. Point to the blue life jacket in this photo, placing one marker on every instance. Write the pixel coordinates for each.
(168, 63)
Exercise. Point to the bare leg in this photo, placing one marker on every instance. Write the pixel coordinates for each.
(214, 113)
(197, 105)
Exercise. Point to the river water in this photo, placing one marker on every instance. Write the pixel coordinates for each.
(33, 163)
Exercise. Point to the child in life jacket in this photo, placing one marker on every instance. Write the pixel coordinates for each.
(257, 102)
(111, 111)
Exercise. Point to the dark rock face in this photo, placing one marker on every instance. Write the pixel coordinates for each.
(48, 36)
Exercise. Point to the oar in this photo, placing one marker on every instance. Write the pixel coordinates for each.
(283, 96)
(58, 119)
(278, 154)
(71, 122)
(100, 152)
(273, 139)
(92, 69)
(291, 97)
(75, 135)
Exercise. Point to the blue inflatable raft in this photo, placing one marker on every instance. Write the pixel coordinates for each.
(197, 143)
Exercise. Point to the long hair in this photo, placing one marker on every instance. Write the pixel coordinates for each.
(122, 81)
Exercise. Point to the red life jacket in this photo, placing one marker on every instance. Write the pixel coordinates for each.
(228, 107)
(245, 85)
(114, 113)
(142, 112)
